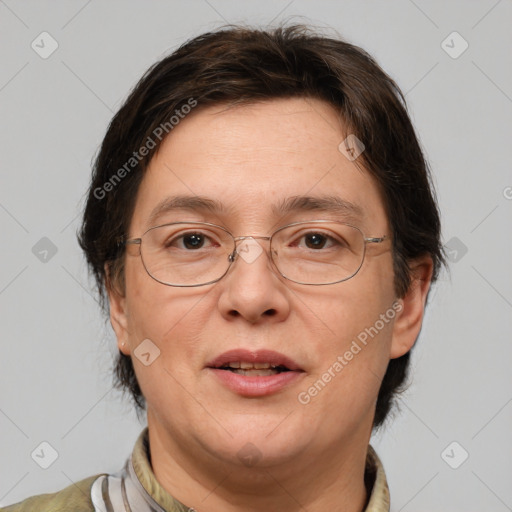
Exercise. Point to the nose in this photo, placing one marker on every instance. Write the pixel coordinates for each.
(252, 289)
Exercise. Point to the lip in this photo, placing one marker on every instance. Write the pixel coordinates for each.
(259, 356)
(255, 386)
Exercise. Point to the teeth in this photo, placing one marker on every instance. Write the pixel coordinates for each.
(261, 366)
(253, 369)
(256, 373)
(247, 366)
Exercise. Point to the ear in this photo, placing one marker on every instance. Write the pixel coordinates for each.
(118, 312)
(408, 321)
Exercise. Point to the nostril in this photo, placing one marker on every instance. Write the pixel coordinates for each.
(269, 312)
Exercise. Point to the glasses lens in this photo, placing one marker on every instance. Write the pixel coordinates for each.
(186, 254)
(318, 252)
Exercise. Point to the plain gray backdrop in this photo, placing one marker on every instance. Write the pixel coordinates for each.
(449, 447)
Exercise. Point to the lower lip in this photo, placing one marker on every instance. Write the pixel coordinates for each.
(256, 386)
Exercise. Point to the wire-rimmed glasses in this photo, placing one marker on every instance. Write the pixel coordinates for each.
(316, 252)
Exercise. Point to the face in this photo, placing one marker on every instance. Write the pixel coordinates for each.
(249, 160)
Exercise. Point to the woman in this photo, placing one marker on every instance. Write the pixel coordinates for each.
(262, 228)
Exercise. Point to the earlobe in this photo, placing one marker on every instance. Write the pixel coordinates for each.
(118, 316)
(118, 320)
(408, 321)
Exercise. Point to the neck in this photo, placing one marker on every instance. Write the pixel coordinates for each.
(316, 482)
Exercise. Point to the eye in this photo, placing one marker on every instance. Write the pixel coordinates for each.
(190, 241)
(317, 240)
(193, 240)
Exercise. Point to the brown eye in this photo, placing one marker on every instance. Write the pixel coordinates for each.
(193, 241)
(315, 241)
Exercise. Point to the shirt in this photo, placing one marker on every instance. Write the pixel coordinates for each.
(136, 489)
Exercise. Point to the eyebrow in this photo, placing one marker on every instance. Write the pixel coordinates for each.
(322, 204)
(192, 203)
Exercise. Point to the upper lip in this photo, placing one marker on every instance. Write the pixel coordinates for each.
(257, 356)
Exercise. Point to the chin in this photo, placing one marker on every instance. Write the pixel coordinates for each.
(258, 446)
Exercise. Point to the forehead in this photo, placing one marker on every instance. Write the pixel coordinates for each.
(254, 163)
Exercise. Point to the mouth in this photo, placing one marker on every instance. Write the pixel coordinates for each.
(258, 363)
(254, 374)
(253, 369)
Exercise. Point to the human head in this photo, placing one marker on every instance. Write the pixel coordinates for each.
(240, 66)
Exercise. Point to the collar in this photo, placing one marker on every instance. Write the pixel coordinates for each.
(136, 487)
(376, 483)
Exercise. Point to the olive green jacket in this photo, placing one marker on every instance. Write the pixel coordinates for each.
(135, 489)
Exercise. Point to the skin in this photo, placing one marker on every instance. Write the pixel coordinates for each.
(312, 456)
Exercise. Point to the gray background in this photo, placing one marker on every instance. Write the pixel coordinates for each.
(56, 350)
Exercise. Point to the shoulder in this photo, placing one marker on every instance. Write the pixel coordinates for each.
(76, 497)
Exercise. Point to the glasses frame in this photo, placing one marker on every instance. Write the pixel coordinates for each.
(233, 256)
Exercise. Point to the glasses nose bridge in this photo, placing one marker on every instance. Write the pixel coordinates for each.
(245, 237)
(237, 239)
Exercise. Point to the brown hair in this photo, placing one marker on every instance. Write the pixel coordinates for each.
(238, 65)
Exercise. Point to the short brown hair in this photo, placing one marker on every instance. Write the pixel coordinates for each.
(237, 65)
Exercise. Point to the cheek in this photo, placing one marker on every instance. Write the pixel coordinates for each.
(360, 347)
(345, 386)
(354, 354)
(170, 317)
(357, 311)
(172, 320)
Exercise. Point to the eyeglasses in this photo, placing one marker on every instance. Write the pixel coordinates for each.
(317, 252)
